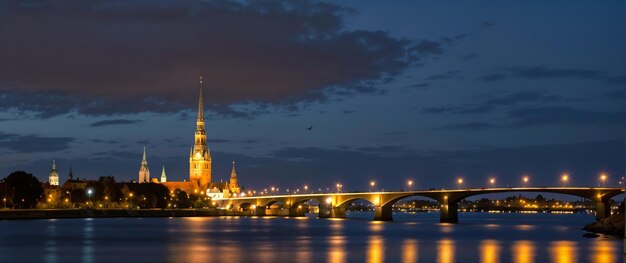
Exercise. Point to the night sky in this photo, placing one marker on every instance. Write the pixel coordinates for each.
(426, 90)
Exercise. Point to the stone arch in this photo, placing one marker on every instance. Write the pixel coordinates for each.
(244, 206)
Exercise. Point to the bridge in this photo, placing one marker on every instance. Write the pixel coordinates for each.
(334, 205)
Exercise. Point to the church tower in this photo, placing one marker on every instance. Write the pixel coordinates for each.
(163, 176)
(53, 178)
(232, 184)
(144, 172)
(200, 156)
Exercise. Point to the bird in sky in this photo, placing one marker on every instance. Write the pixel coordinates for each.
(310, 128)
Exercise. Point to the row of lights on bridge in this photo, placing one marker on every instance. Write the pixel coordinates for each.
(565, 177)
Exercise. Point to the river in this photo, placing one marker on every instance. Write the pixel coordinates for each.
(479, 237)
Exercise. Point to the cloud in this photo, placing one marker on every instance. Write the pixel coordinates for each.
(447, 75)
(564, 115)
(491, 104)
(541, 72)
(469, 126)
(113, 122)
(470, 56)
(33, 143)
(145, 56)
(487, 24)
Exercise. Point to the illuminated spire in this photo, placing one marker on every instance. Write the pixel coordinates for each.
(233, 173)
(143, 160)
(200, 103)
(163, 176)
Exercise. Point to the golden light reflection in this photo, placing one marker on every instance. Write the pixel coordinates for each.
(523, 251)
(524, 227)
(303, 254)
(563, 251)
(603, 251)
(337, 252)
(376, 226)
(445, 251)
(490, 251)
(376, 250)
(410, 252)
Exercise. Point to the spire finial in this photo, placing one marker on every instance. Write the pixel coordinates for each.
(54, 165)
(233, 173)
(200, 103)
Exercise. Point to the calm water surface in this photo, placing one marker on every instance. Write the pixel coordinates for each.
(480, 237)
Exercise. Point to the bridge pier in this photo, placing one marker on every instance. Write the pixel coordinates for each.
(260, 211)
(603, 209)
(327, 211)
(296, 211)
(383, 213)
(338, 212)
(448, 212)
(324, 211)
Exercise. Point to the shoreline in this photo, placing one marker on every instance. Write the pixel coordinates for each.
(27, 214)
(612, 225)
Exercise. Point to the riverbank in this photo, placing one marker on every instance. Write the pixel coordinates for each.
(613, 225)
(19, 214)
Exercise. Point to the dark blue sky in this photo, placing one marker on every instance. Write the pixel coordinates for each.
(424, 90)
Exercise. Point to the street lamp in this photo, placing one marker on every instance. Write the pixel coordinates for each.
(564, 178)
(372, 185)
(89, 195)
(409, 183)
(339, 187)
(131, 201)
(492, 181)
(603, 177)
(459, 181)
(525, 179)
(306, 188)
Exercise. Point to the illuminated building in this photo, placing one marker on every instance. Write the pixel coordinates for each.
(163, 176)
(200, 155)
(53, 178)
(144, 172)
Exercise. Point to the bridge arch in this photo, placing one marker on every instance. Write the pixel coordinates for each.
(449, 200)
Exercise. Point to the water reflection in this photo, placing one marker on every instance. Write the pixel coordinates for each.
(51, 242)
(490, 251)
(410, 252)
(88, 236)
(303, 253)
(445, 251)
(523, 252)
(337, 250)
(376, 249)
(603, 251)
(563, 251)
(230, 239)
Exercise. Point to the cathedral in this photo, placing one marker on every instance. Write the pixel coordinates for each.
(199, 166)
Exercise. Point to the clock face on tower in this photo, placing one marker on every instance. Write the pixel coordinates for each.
(198, 156)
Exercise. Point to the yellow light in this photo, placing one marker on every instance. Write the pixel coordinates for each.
(410, 182)
(525, 179)
(492, 180)
(372, 183)
(131, 194)
(459, 181)
(603, 177)
(329, 200)
(565, 177)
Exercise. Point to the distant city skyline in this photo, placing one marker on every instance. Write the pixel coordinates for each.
(317, 93)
